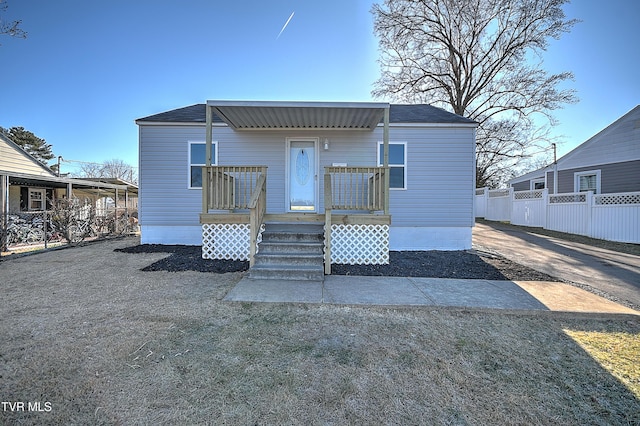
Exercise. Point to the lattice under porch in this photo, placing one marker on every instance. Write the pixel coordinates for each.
(354, 241)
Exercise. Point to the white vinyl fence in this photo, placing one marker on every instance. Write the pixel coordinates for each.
(613, 217)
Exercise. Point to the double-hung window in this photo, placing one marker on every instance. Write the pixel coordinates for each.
(37, 199)
(397, 163)
(197, 159)
(587, 181)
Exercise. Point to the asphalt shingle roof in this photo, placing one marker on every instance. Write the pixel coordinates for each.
(415, 113)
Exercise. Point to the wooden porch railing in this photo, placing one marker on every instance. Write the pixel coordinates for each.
(257, 209)
(229, 187)
(352, 188)
(355, 188)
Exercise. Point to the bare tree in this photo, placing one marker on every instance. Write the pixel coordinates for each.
(10, 28)
(114, 168)
(480, 59)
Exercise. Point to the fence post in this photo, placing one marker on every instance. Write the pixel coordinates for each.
(486, 201)
(545, 205)
(511, 200)
(589, 200)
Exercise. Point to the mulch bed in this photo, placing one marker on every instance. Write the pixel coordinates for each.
(433, 264)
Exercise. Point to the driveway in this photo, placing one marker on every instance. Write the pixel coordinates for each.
(616, 275)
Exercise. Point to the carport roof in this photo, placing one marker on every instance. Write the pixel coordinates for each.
(24, 179)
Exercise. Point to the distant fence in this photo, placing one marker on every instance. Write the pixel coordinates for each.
(25, 231)
(613, 217)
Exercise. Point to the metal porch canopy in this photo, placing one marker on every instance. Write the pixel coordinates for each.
(277, 115)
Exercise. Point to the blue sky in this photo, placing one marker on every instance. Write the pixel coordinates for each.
(88, 69)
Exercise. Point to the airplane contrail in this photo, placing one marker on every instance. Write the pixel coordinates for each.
(285, 25)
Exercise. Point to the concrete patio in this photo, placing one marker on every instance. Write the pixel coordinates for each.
(390, 291)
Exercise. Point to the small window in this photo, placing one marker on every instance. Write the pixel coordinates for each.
(197, 159)
(587, 181)
(537, 184)
(37, 199)
(397, 163)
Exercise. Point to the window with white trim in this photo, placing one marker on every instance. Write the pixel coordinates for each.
(587, 181)
(397, 163)
(37, 199)
(197, 159)
(537, 184)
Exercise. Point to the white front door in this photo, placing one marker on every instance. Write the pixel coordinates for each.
(302, 172)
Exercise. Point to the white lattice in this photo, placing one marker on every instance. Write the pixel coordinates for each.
(620, 199)
(528, 195)
(226, 241)
(496, 193)
(571, 198)
(360, 244)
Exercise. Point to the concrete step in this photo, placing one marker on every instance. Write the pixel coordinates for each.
(290, 251)
(276, 236)
(291, 247)
(289, 259)
(287, 272)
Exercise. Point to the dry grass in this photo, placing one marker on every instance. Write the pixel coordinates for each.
(105, 343)
(618, 352)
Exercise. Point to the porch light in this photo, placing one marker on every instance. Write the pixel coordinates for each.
(326, 144)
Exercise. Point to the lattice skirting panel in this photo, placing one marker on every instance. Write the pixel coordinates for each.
(226, 241)
(360, 244)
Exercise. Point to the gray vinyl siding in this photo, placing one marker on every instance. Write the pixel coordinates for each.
(617, 177)
(522, 186)
(163, 195)
(440, 178)
(550, 180)
(440, 170)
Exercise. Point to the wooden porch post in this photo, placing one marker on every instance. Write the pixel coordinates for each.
(205, 173)
(328, 201)
(385, 141)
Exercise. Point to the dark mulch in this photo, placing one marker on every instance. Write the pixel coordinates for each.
(185, 258)
(434, 264)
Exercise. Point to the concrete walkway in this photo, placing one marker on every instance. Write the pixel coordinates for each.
(389, 291)
(612, 273)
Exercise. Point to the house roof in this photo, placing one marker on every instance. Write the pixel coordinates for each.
(618, 142)
(23, 157)
(361, 115)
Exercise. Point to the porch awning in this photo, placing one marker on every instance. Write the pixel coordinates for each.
(275, 115)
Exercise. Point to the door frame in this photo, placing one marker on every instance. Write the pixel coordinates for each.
(316, 171)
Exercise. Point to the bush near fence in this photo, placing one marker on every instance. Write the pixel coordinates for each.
(612, 217)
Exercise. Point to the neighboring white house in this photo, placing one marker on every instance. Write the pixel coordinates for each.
(309, 154)
(608, 162)
(27, 185)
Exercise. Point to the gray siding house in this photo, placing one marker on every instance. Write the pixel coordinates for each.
(608, 162)
(379, 177)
